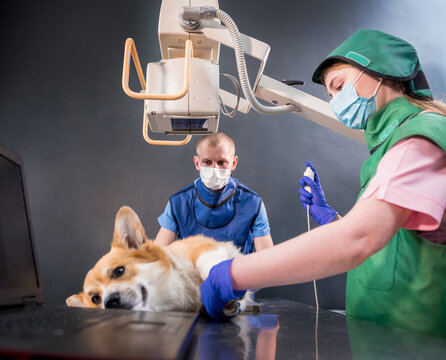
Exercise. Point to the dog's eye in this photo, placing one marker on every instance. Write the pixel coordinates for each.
(118, 272)
(96, 299)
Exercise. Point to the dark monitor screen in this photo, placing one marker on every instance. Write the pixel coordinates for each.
(189, 124)
(18, 268)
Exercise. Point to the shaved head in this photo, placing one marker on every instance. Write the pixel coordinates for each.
(216, 139)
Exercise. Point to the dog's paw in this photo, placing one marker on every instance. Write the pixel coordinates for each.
(248, 304)
(232, 308)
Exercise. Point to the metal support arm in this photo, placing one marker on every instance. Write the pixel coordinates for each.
(312, 108)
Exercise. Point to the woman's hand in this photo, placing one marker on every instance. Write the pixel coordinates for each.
(315, 199)
(217, 290)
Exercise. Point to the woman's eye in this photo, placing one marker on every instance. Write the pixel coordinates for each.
(96, 299)
(339, 87)
(118, 272)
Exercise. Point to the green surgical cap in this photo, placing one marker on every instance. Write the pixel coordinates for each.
(381, 55)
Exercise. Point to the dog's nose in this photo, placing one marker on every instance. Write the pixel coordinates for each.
(113, 301)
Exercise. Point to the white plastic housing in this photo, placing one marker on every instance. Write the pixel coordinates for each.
(201, 102)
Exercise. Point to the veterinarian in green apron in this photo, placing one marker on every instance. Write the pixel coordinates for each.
(393, 241)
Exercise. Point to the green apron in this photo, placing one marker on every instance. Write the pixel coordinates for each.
(404, 284)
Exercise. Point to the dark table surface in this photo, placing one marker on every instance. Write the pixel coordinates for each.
(287, 329)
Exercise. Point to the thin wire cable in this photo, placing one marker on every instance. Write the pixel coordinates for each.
(314, 281)
(223, 107)
(315, 295)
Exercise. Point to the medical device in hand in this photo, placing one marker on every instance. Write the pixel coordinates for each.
(182, 93)
(308, 173)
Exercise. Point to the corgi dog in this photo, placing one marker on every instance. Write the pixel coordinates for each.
(138, 274)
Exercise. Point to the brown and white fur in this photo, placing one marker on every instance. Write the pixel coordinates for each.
(140, 275)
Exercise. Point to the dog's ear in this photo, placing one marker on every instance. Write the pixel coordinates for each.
(129, 232)
(76, 300)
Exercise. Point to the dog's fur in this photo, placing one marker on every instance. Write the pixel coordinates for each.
(140, 275)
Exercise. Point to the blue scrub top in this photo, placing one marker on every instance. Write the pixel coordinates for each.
(259, 228)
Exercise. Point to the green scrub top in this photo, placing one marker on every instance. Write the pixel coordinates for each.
(404, 284)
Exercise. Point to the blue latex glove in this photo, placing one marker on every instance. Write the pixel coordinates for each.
(217, 291)
(319, 208)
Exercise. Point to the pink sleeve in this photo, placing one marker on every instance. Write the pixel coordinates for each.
(412, 175)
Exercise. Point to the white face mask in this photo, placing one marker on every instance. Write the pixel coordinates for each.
(213, 178)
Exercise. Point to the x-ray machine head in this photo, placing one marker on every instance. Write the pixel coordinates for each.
(182, 92)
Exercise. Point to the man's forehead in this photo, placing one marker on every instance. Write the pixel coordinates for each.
(223, 149)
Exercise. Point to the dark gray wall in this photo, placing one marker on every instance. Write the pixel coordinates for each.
(63, 109)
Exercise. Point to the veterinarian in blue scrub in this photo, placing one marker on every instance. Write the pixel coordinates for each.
(216, 204)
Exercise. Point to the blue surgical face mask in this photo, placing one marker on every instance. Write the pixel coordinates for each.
(351, 109)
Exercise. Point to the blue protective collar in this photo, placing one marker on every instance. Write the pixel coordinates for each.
(215, 209)
(212, 198)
